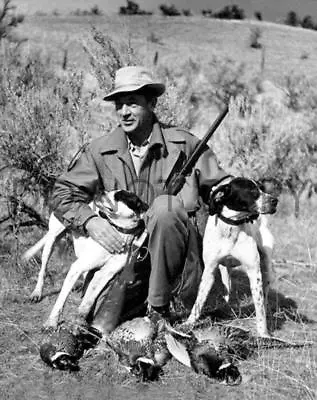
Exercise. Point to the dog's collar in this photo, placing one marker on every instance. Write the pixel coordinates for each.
(240, 221)
(136, 230)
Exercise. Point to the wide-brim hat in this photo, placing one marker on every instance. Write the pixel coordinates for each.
(133, 78)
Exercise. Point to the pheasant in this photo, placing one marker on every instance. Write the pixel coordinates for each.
(141, 346)
(145, 346)
(210, 356)
(61, 349)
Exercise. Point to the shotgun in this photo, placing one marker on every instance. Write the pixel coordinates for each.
(177, 180)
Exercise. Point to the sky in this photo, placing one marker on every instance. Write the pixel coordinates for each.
(270, 9)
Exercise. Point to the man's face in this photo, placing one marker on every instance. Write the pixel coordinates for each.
(134, 112)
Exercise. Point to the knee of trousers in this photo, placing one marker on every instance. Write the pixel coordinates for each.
(166, 210)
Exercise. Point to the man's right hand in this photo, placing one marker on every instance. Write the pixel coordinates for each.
(105, 234)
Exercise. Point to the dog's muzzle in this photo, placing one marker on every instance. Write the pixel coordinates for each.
(268, 204)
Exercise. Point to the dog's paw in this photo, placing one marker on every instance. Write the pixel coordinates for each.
(191, 320)
(50, 325)
(35, 296)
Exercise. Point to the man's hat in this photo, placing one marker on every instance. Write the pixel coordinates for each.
(133, 78)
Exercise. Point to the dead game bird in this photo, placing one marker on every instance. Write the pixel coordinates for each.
(141, 347)
(212, 358)
(61, 350)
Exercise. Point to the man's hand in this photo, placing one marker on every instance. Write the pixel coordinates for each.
(105, 234)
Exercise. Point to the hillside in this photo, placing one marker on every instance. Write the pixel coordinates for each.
(287, 50)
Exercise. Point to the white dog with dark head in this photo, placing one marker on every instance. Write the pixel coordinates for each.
(124, 210)
(237, 234)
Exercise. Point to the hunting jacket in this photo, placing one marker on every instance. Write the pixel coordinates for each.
(106, 164)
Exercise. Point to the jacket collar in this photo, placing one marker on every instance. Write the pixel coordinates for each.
(117, 142)
(166, 140)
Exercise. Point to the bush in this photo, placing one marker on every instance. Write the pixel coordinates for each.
(8, 20)
(95, 10)
(258, 15)
(43, 117)
(132, 8)
(230, 12)
(269, 140)
(187, 12)
(292, 19)
(169, 10)
(255, 36)
(207, 13)
(308, 22)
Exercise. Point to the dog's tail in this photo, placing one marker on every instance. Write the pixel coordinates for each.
(27, 255)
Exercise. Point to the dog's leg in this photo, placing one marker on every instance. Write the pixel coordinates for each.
(207, 281)
(99, 281)
(226, 280)
(266, 253)
(213, 250)
(247, 253)
(80, 266)
(36, 295)
(73, 274)
(55, 228)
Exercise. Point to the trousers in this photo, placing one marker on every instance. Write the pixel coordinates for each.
(173, 266)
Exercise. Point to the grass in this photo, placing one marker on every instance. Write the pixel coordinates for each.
(269, 374)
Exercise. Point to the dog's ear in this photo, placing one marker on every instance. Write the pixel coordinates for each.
(218, 198)
(132, 201)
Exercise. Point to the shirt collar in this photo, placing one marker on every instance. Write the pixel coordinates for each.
(118, 140)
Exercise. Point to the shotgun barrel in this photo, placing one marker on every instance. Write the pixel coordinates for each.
(176, 182)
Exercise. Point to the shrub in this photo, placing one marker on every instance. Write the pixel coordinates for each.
(132, 8)
(106, 56)
(308, 22)
(269, 141)
(95, 10)
(258, 15)
(255, 36)
(153, 38)
(207, 13)
(169, 10)
(187, 12)
(43, 120)
(230, 12)
(8, 20)
(222, 79)
(292, 19)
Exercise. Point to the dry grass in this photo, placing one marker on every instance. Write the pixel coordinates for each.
(269, 374)
(181, 38)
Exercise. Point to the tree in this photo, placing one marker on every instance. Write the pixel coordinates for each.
(169, 10)
(308, 22)
(207, 13)
(95, 10)
(187, 12)
(230, 12)
(258, 15)
(132, 8)
(292, 19)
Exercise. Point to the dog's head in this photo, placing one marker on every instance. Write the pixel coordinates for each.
(270, 186)
(120, 204)
(242, 195)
